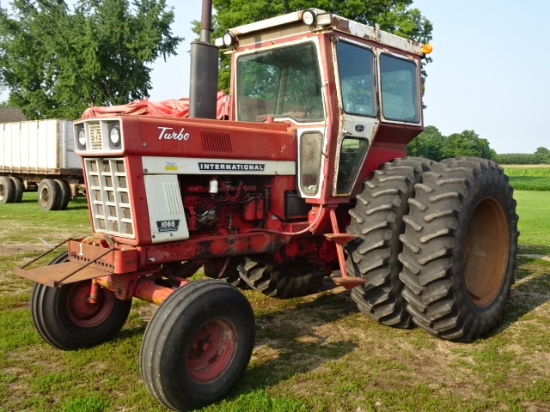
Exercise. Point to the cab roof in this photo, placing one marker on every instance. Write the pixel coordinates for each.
(293, 23)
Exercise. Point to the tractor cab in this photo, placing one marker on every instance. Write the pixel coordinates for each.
(347, 89)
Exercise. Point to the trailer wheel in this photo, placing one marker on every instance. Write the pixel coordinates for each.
(197, 344)
(460, 249)
(66, 319)
(377, 219)
(18, 188)
(7, 190)
(48, 194)
(64, 194)
(286, 280)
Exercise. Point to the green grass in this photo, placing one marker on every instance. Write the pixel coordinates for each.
(315, 353)
(533, 209)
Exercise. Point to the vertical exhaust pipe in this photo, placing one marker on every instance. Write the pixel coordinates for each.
(204, 70)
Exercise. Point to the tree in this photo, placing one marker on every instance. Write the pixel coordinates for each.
(393, 16)
(428, 144)
(542, 155)
(56, 62)
(467, 143)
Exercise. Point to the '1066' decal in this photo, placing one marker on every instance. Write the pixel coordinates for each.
(168, 133)
(168, 225)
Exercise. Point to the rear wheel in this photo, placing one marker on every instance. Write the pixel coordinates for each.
(19, 188)
(226, 269)
(197, 344)
(377, 219)
(286, 280)
(7, 190)
(460, 249)
(64, 194)
(48, 194)
(66, 318)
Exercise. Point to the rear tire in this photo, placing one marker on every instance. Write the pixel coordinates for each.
(460, 249)
(197, 344)
(286, 280)
(7, 190)
(66, 320)
(48, 194)
(64, 194)
(226, 269)
(377, 219)
(19, 188)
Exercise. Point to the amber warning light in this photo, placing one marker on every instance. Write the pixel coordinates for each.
(427, 48)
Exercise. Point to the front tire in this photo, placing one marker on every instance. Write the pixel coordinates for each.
(197, 344)
(66, 319)
(377, 219)
(460, 249)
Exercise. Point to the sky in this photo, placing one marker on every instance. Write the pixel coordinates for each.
(490, 70)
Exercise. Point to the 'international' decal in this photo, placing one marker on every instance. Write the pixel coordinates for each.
(244, 167)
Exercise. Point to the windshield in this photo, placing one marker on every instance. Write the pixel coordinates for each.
(355, 67)
(282, 82)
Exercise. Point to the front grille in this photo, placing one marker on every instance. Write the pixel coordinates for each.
(109, 197)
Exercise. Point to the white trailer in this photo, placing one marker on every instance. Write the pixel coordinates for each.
(39, 155)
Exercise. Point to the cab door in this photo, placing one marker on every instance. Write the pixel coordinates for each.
(356, 78)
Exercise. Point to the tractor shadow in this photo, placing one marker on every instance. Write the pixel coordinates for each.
(531, 290)
(296, 340)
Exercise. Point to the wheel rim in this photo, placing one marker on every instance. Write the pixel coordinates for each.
(44, 195)
(486, 252)
(82, 311)
(212, 350)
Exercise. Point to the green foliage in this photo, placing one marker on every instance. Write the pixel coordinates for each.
(428, 144)
(431, 144)
(467, 143)
(543, 155)
(516, 159)
(393, 16)
(56, 61)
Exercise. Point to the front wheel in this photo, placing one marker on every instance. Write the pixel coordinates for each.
(197, 344)
(460, 247)
(67, 319)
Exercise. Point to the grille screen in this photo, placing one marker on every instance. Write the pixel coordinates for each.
(109, 197)
(216, 141)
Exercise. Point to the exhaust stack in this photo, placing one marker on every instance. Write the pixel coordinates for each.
(203, 86)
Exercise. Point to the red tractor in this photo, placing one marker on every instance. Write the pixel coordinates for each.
(307, 179)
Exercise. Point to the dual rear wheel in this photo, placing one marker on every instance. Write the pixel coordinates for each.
(11, 189)
(437, 246)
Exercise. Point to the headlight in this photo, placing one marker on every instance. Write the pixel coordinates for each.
(81, 137)
(229, 40)
(308, 17)
(114, 134)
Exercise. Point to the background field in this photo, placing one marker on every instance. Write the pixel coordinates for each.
(315, 353)
(534, 177)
